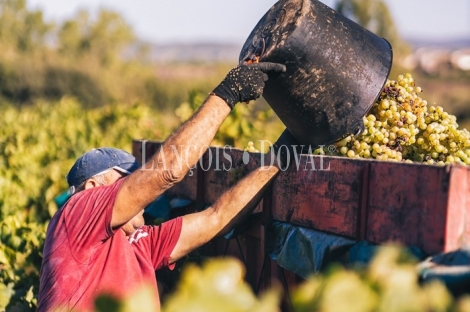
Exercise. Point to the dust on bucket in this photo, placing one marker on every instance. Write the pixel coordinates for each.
(335, 69)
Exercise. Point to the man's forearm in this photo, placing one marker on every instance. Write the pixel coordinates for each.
(234, 205)
(171, 163)
(183, 148)
(241, 199)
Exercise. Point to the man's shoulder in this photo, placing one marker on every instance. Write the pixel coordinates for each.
(70, 207)
(93, 196)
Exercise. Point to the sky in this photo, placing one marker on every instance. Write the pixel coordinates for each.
(231, 21)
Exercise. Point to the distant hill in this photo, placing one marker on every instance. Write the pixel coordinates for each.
(451, 44)
(194, 52)
(227, 52)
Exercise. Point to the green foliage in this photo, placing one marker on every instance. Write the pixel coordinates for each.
(375, 16)
(21, 29)
(20, 253)
(96, 59)
(39, 145)
(142, 300)
(389, 283)
(105, 37)
(218, 285)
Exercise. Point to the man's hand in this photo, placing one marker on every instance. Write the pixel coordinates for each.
(246, 82)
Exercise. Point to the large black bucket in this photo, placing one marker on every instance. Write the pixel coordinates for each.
(335, 69)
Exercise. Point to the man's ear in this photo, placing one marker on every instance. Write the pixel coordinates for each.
(91, 183)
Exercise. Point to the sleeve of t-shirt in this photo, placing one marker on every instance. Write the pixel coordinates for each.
(163, 239)
(88, 218)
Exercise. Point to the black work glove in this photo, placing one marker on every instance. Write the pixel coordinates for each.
(286, 149)
(246, 82)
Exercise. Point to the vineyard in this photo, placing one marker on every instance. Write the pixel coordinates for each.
(41, 142)
(59, 102)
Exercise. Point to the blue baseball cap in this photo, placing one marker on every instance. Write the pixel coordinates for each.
(97, 161)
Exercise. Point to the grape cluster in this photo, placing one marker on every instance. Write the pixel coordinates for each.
(402, 127)
(251, 148)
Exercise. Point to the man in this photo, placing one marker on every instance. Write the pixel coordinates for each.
(97, 242)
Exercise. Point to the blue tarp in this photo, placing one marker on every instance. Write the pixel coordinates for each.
(305, 251)
(452, 268)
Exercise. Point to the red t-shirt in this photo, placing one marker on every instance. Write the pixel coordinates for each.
(84, 256)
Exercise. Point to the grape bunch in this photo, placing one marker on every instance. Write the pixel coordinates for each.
(251, 148)
(218, 284)
(402, 127)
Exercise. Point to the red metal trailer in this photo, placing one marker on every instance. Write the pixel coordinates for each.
(416, 205)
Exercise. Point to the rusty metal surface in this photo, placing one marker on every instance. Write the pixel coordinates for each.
(416, 205)
(408, 204)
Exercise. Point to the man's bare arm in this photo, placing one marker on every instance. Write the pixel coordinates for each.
(200, 227)
(172, 162)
